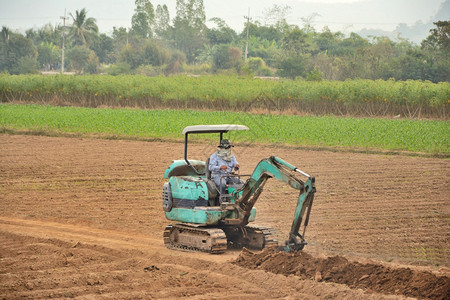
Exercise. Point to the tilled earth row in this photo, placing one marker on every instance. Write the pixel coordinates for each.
(84, 217)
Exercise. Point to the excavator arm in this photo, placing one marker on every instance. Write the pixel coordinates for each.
(274, 167)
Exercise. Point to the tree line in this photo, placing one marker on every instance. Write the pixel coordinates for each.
(159, 44)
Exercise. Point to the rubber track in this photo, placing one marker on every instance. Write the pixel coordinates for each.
(218, 237)
(270, 237)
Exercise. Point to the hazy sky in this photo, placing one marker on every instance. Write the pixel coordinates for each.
(338, 15)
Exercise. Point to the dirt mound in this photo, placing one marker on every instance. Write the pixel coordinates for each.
(371, 277)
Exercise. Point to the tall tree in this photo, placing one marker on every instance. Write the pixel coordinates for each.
(295, 43)
(438, 45)
(143, 20)
(439, 37)
(222, 34)
(47, 34)
(190, 28)
(181, 11)
(5, 34)
(104, 48)
(276, 16)
(162, 21)
(263, 32)
(197, 14)
(295, 55)
(83, 30)
(17, 53)
(120, 38)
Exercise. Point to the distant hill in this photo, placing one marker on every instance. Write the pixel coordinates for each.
(416, 32)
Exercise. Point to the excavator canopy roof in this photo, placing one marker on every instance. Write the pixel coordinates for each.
(213, 128)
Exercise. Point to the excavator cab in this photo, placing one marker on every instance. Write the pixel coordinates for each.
(192, 177)
(190, 198)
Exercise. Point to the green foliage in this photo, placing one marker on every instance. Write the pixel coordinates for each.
(26, 65)
(437, 49)
(268, 33)
(292, 67)
(295, 43)
(257, 66)
(288, 50)
(143, 20)
(351, 97)
(119, 69)
(439, 38)
(16, 52)
(197, 69)
(149, 70)
(314, 75)
(150, 53)
(222, 34)
(255, 63)
(269, 51)
(48, 54)
(82, 59)
(121, 38)
(176, 63)
(235, 58)
(381, 134)
(189, 28)
(227, 57)
(103, 48)
(154, 55)
(84, 30)
(131, 56)
(92, 66)
(47, 34)
(221, 57)
(162, 21)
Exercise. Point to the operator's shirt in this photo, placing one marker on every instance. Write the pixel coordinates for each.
(215, 162)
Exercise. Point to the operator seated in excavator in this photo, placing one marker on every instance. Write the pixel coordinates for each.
(221, 165)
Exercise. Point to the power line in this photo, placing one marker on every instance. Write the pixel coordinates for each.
(28, 18)
(293, 20)
(54, 17)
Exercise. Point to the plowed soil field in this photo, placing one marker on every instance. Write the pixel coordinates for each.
(82, 218)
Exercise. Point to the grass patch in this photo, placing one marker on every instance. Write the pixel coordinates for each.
(421, 136)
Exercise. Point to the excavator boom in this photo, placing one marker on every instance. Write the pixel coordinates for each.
(274, 167)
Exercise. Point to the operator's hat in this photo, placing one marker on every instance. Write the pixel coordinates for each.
(225, 144)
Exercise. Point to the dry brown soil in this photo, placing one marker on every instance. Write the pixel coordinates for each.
(83, 218)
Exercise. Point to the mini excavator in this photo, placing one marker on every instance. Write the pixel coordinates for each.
(204, 223)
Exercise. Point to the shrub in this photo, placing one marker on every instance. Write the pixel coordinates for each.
(149, 70)
(26, 65)
(118, 69)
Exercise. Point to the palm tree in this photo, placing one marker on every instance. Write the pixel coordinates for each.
(84, 30)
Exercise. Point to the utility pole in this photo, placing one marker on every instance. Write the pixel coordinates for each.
(246, 43)
(63, 41)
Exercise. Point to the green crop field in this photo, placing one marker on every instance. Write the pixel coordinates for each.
(420, 136)
(410, 99)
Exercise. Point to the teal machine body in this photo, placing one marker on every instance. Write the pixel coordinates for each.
(203, 223)
(192, 198)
